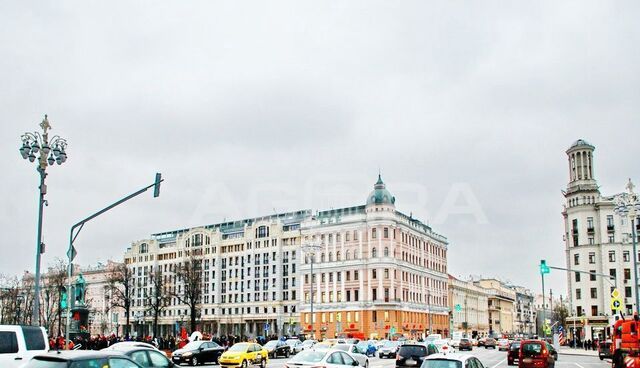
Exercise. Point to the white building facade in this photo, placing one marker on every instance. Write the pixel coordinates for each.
(469, 305)
(596, 241)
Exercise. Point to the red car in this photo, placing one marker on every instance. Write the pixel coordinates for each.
(536, 354)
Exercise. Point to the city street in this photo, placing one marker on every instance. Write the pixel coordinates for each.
(490, 358)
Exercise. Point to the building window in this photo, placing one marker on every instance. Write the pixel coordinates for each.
(627, 291)
(627, 274)
(611, 239)
(374, 294)
(591, 240)
(347, 255)
(594, 293)
(577, 276)
(578, 294)
(373, 233)
(592, 257)
(592, 275)
(386, 233)
(609, 222)
(625, 256)
(356, 295)
(374, 274)
(374, 252)
(590, 223)
(355, 275)
(386, 273)
(612, 272)
(594, 310)
(576, 259)
(386, 251)
(612, 256)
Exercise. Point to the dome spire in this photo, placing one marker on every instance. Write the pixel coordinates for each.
(380, 195)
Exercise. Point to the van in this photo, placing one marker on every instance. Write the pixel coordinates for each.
(18, 344)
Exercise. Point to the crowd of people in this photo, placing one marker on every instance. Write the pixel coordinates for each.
(585, 344)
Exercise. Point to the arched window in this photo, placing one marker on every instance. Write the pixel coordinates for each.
(386, 251)
(330, 256)
(374, 253)
(322, 258)
(338, 256)
(347, 255)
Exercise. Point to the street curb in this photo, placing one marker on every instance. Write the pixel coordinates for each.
(579, 354)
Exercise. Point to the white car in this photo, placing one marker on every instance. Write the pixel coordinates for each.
(18, 344)
(455, 343)
(323, 358)
(451, 361)
(362, 359)
(305, 345)
(443, 346)
(293, 343)
(129, 344)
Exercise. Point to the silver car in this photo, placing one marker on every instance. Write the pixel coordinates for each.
(455, 360)
(305, 345)
(362, 359)
(323, 358)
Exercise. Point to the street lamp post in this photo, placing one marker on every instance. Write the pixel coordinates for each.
(49, 152)
(627, 204)
(311, 249)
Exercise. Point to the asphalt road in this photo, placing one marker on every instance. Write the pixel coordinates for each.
(490, 359)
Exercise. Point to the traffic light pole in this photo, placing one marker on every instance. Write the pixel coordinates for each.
(71, 253)
(544, 308)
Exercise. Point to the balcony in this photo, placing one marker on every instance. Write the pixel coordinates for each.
(611, 228)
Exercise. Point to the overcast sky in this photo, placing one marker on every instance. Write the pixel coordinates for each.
(253, 107)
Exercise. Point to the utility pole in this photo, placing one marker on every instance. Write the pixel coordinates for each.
(466, 320)
(551, 309)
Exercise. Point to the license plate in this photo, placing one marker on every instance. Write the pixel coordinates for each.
(176, 358)
(411, 362)
(527, 360)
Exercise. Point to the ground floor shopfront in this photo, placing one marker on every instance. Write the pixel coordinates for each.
(375, 324)
(588, 328)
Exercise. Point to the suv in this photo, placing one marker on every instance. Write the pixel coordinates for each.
(411, 355)
(18, 344)
(536, 354)
(604, 350)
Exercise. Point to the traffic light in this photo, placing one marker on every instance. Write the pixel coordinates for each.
(543, 267)
(63, 298)
(156, 186)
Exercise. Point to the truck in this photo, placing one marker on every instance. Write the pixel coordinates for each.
(625, 346)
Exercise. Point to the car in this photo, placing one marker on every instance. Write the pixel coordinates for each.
(490, 342)
(412, 355)
(197, 352)
(535, 354)
(244, 354)
(306, 344)
(443, 346)
(293, 343)
(81, 358)
(481, 341)
(328, 358)
(456, 360)
(18, 344)
(277, 348)
(465, 344)
(455, 343)
(129, 344)
(145, 357)
(474, 342)
(389, 349)
(366, 348)
(503, 344)
(513, 353)
(604, 350)
(362, 359)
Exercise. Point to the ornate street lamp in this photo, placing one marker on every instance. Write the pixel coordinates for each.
(310, 249)
(628, 204)
(49, 152)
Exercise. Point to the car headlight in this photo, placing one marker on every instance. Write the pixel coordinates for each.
(187, 354)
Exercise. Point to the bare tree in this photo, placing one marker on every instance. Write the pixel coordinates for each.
(121, 283)
(157, 298)
(9, 300)
(189, 286)
(53, 282)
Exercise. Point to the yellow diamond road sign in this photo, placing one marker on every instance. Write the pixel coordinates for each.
(615, 294)
(616, 304)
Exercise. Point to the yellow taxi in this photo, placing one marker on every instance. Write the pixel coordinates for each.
(244, 354)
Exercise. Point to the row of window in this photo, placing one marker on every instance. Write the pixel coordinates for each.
(626, 257)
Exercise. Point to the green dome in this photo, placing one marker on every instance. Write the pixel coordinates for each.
(380, 195)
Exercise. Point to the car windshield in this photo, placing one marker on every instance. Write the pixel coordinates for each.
(441, 363)
(531, 349)
(271, 344)
(37, 363)
(239, 348)
(193, 345)
(413, 350)
(309, 356)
